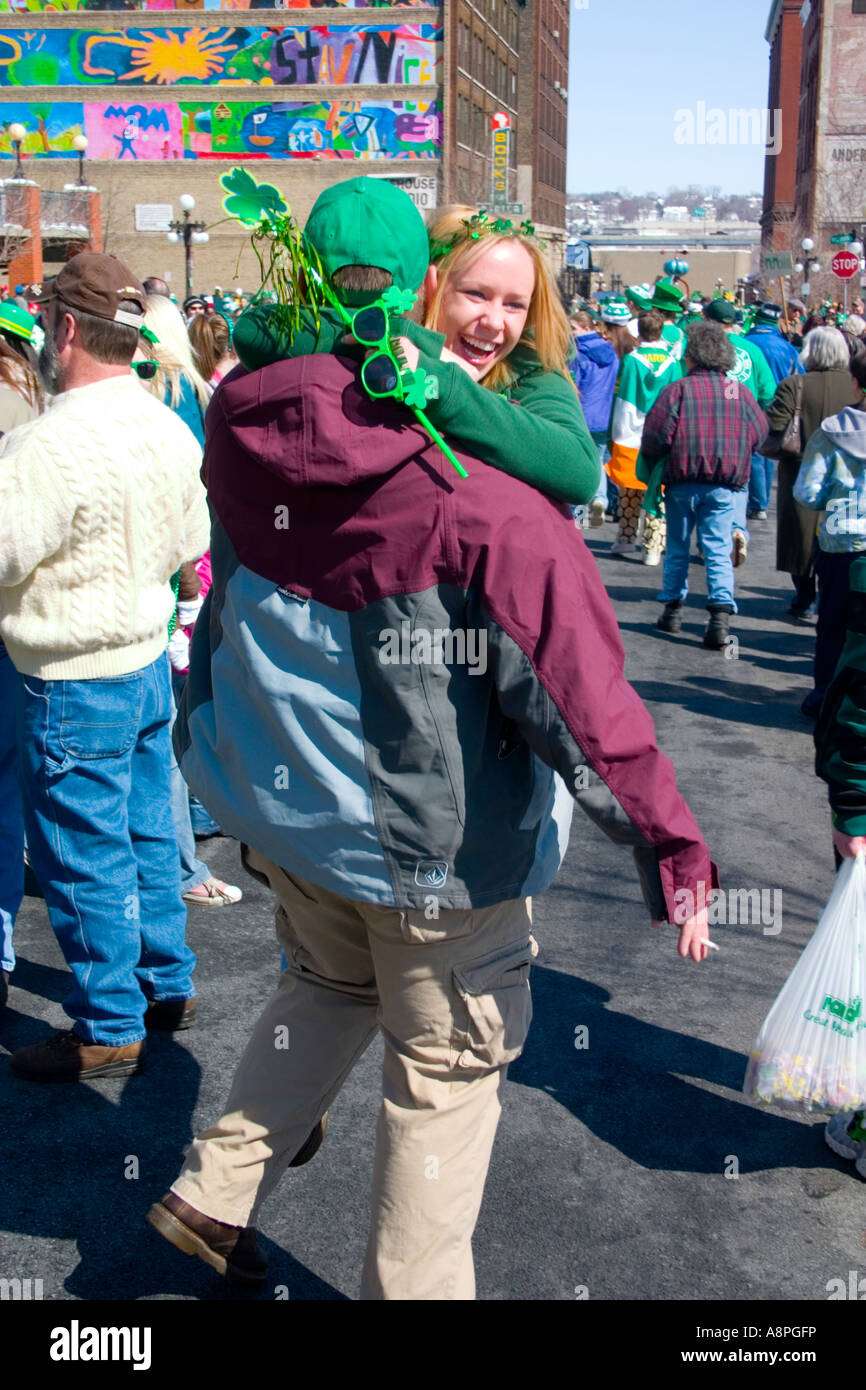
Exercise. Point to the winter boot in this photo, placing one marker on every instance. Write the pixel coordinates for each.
(716, 635)
(671, 619)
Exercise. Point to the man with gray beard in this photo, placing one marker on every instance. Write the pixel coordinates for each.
(100, 503)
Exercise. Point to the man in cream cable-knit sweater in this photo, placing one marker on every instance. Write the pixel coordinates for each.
(100, 502)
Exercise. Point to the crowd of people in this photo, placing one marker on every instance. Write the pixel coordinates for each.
(234, 547)
(689, 414)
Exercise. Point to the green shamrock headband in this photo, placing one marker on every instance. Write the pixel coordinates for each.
(478, 225)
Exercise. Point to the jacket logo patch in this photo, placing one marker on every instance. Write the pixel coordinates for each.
(431, 873)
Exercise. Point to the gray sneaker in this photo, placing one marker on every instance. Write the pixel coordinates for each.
(846, 1136)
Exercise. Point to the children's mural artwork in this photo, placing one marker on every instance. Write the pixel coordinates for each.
(338, 129)
(51, 127)
(404, 54)
(53, 6)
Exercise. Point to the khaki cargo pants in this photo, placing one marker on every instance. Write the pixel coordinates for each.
(451, 996)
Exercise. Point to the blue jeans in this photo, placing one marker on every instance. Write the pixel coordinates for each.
(11, 813)
(834, 585)
(760, 483)
(193, 870)
(711, 509)
(96, 763)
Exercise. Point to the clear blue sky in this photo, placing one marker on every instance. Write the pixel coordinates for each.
(693, 50)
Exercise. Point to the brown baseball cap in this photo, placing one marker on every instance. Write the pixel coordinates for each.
(96, 284)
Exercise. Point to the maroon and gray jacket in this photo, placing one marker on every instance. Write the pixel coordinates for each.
(400, 678)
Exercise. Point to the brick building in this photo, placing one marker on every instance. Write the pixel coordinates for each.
(829, 154)
(169, 101)
(784, 33)
(543, 110)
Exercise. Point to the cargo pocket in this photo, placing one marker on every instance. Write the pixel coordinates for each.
(493, 1010)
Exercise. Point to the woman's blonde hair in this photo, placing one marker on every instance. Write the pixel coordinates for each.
(456, 243)
(211, 340)
(173, 352)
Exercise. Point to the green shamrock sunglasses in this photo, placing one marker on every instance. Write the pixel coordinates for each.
(383, 373)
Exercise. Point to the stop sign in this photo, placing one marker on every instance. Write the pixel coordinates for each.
(845, 264)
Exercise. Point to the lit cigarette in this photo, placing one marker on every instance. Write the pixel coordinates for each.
(705, 941)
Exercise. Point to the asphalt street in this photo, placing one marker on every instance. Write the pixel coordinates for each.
(629, 1168)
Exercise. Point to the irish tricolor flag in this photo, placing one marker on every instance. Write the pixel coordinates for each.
(645, 373)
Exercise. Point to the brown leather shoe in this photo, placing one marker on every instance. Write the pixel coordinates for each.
(170, 1015)
(311, 1144)
(230, 1250)
(66, 1057)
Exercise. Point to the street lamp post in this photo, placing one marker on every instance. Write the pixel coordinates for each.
(79, 143)
(810, 264)
(188, 232)
(856, 249)
(17, 132)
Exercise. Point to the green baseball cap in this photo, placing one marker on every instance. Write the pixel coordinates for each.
(368, 221)
(721, 311)
(14, 319)
(640, 296)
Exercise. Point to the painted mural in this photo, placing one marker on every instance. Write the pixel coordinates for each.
(405, 54)
(67, 6)
(51, 128)
(347, 129)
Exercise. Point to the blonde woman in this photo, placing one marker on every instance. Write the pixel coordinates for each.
(210, 336)
(178, 381)
(500, 338)
(495, 337)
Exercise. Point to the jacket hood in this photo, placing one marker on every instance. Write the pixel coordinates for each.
(847, 430)
(596, 348)
(299, 420)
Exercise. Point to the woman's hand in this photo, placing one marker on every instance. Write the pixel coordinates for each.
(410, 352)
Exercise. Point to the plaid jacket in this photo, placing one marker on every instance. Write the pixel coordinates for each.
(709, 427)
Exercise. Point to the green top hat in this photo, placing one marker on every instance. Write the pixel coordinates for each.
(668, 297)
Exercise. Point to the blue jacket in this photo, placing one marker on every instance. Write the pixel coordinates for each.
(784, 359)
(188, 408)
(594, 370)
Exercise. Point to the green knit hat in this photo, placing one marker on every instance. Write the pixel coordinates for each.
(615, 310)
(668, 297)
(14, 319)
(368, 221)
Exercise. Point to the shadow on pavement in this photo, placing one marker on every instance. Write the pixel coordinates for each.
(627, 1087)
(92, 1157)
(725, 699)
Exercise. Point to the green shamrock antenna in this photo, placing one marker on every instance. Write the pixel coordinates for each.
(290, 259)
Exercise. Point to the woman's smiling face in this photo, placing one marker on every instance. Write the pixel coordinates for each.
(484, 307)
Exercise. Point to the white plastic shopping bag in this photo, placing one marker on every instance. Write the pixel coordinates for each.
(811, 1050)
